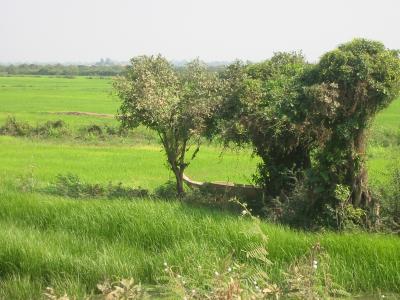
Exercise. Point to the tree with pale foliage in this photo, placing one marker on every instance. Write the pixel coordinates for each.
(176, 105)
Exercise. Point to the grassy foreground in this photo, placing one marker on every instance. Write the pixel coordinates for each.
(72, 245)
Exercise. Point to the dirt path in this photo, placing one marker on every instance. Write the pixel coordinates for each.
(83, 113)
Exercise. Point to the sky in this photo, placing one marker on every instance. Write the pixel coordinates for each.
(212, 30)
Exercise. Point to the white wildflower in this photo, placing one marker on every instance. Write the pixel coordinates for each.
(315, 264)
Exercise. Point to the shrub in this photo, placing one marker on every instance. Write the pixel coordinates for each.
(166, 191)
(94, 129)
(70, 185)
(58, 129)
(14, 128)
(55, 128)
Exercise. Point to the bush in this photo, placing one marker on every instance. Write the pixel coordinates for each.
(120, 191)
(55, 128)
(295, 208)
(70, 185)
(13, 127)
(94, 129)
(102, 131)
(166, 191)
(58, 128)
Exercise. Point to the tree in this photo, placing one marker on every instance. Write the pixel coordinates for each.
(365, 78)
(261, 106)
(176, 105)
(309, 123)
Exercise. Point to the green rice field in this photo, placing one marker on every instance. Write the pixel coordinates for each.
(73, 244)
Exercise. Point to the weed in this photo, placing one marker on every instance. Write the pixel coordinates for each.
(124, 289)
(308, 277)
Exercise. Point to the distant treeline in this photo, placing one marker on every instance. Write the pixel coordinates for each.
(61, 70)
(72, 70)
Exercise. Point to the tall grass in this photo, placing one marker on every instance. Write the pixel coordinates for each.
(72, 245)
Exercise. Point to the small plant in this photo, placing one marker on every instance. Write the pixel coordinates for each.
(125, 289)
(346, 215)
(231, 281)
(307, 277)
(69, 185)
(50, 294)
(166, 191)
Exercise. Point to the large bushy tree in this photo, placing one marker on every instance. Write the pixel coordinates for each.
(261, 106)
(176, 105)
(364, 77)
(312, 120)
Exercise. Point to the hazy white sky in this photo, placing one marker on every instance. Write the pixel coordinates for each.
(86, 30)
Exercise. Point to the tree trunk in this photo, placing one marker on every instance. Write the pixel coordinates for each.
(361, 196)
(179, 182)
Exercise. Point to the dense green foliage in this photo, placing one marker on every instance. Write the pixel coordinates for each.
(308, 123)
(259, 107)
(366, 78)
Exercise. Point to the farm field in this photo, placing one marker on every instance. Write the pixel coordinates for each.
(38, 99)
(73, 244)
